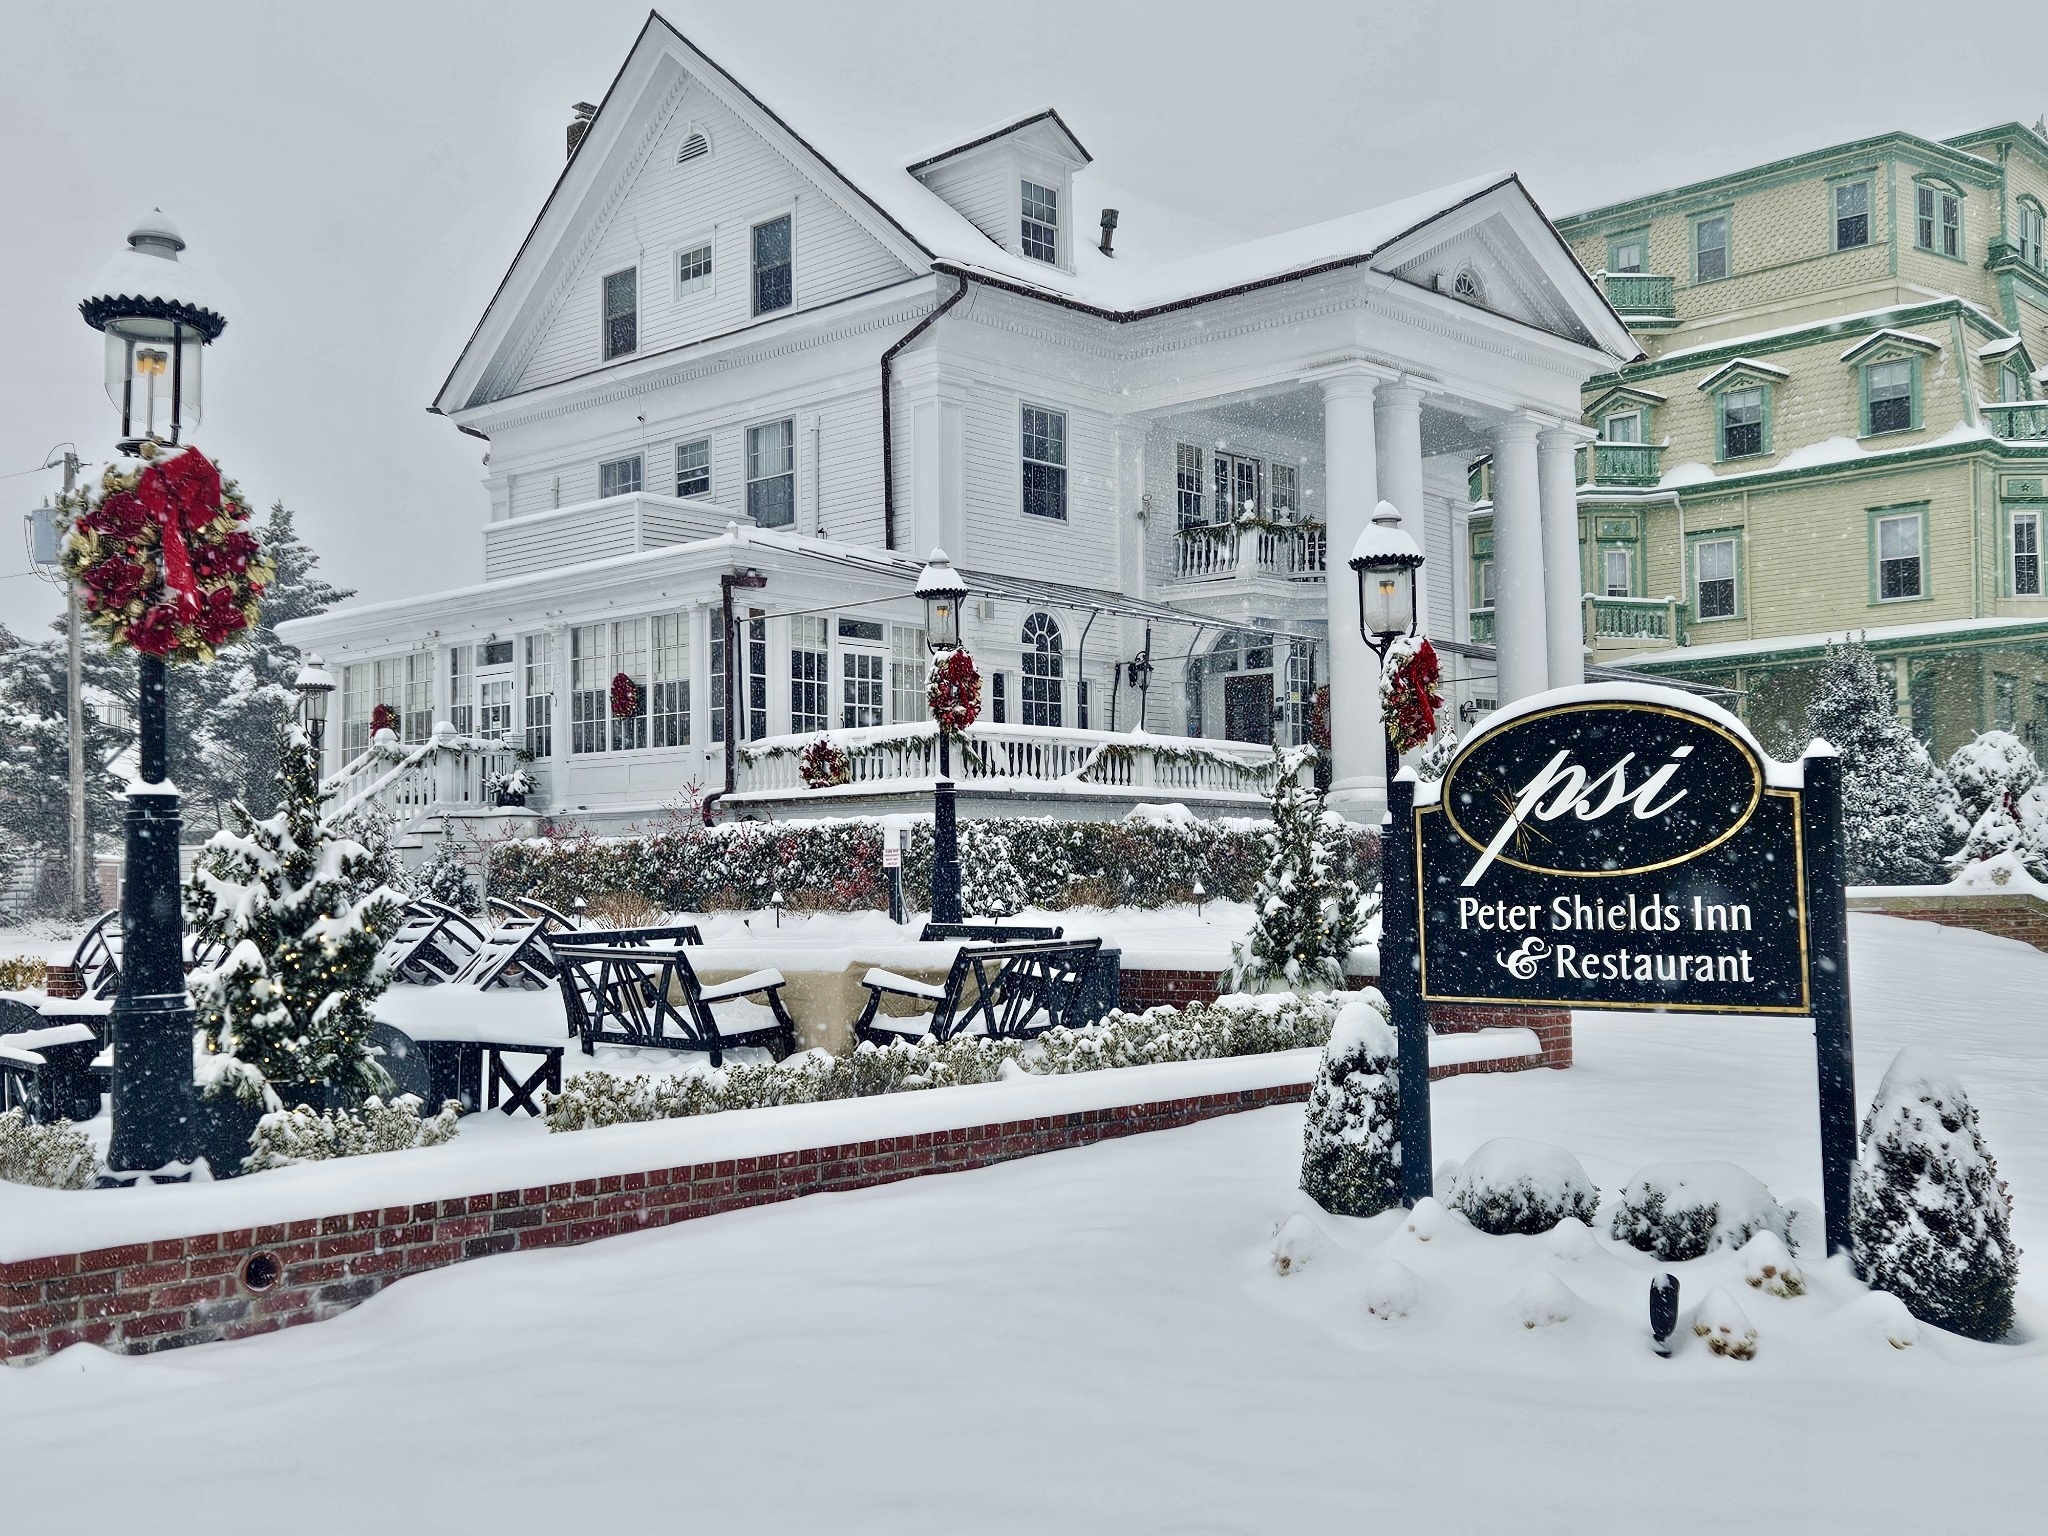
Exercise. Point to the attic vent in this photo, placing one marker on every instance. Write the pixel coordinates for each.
(695, 147)
(1466, 286)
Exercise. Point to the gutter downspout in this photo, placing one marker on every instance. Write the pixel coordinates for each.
(1081, 663)
(734, 716)
(888, 442)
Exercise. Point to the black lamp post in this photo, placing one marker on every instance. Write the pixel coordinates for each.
(314, 683)
(1386, 560)
(157, 318)
(943, 592)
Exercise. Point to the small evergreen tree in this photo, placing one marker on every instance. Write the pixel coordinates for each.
(1298, 911)
(989, 883)
(1892, 792)
(291, 1001)
(1351, 1151)
(2000, 801)
(445, 878)
(1929, 1219)
(1348, 906)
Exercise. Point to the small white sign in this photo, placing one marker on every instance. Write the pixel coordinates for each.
(892, 847)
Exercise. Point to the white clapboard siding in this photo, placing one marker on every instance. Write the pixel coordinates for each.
(985, 191)
(669, 206)
(573, 535)
(1000, 537)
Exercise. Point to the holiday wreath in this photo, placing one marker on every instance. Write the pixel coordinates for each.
(954, 692)
(824, 766)
(163, 556)
(1409, 692)
(626, 696)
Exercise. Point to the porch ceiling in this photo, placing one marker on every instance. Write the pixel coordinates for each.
(1296, 410)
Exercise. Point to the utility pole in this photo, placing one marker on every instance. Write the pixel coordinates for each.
(81, 835)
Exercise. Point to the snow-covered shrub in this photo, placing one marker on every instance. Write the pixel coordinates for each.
(445, 878)
(1545, 1301)
(1510, 1185)
(1722, 1324)
(287, 1136)
(1351, 1150)
(1302, 911)
(1296, 1244)
(989, 883)
(1572, 1240)
(1392, 1290)
(1892, 792)
(23, 973)
(1683, 1210)
(1198, 1032)
(1929, 1219)
(1994, 768)
(375, 831)
(1767, 1266)
(54, 1156)
(1437, 753)
(1426, 1219)
(1882, 1313)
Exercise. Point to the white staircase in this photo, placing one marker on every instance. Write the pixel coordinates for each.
(416, 785)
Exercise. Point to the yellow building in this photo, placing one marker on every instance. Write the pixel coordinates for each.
(1837, 428)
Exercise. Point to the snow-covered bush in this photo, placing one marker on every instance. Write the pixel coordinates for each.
(1892, 792)
(1510, 1185)
(54, 1156)
(989, 883)
(1297, 1244)
(288, 1136)
(23, 973)
(1302, 911)
(1929, 1219)
(1724, 1326)
(1437, 753)
(1351, 1150)
(1767, 1266)
(1683, 1210)
(1545, 1301)
(1993, 768)
(1392, 1290)
(2000, 803)
(445, 878)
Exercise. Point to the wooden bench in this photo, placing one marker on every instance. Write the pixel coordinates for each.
(434, 944)
(473, 1072)
(629, 987)
(1004, 991)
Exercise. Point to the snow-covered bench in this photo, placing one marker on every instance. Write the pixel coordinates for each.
(434, 943)
(46, 1067)
(1002, 990)
(636, 987)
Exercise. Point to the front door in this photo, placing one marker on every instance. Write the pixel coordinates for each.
(1248, 707)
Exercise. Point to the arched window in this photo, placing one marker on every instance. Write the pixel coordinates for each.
(1041, 681)
(1467, 287)
(696, 144)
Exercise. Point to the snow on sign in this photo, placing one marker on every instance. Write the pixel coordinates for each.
(1619, 851)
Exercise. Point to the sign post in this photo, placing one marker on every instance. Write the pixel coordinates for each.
(1623, 847)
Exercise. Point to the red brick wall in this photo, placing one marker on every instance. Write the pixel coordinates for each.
(2018, 917)
(191, 1290)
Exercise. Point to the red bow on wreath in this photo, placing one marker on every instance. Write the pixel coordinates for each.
(181, 494)
(1409, 692)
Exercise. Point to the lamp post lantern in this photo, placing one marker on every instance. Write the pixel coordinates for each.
(314, 683)
(157, 317)
(1386, 560)
(943, 592)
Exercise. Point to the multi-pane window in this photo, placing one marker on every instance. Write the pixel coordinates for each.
(355, 709)
(462, 688)
(693, 269)
(2029, 224)
(1482, 584)
(1742, 422)
(1301, 689)
(1187, 480)
(538, 684)
(720, 694)
(669, 697)
(810, 675)
(408, 687)
(629, 660)
(1852, 214)
(1899, 558)
(1283, 492)
(757, 678)
(1890, 390)
(2010, 386)
(2026, 554)
(1627, 253)
(1614, 572)
(1045, 462)
(1714, 579)
(693, 468)
(1622, 427)
(774, 284)
(771, 474)
(1238, 486)
(1710, 248)
(1938, 220)
(619, 477)
(999, 697)
(1040, 690)
(494, 707)
(621, 313)
(588, 683)
(908, 665)
(861, 689)
(1040, 227)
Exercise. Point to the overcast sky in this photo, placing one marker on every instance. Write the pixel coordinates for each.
(360, 175)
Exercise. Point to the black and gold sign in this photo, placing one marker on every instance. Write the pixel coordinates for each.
(1613, 853)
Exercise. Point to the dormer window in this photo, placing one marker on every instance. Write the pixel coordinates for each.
(1039, 232)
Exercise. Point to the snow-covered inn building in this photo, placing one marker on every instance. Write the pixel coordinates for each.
(757, 358)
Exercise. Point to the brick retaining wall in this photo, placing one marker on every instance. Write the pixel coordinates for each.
(2021, 916)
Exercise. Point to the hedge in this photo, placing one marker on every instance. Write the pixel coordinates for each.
(836, 866)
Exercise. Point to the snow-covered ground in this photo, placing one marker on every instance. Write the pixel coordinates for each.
(1097, 1341)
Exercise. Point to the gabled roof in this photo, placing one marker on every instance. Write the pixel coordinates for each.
(1624, 394)
(1879, 341)
(863, 153)
(1049, 116)
(1742, 366)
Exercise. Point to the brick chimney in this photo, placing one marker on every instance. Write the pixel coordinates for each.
(579, 124)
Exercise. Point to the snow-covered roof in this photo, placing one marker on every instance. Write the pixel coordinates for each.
(1998, 348)
(1932, 629)
(1002, 130)
(1889, 337)
(1743, 365)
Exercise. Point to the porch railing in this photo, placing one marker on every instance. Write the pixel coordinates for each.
(1060, 759)
(1480, 621)
(445, 772)
(1221, 551)
(1620, 463)
(1630, 620)
(2018, 420)
(1637, 294)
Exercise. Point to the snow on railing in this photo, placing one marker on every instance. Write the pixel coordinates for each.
(1220, 551)
(439, 774)
(906, 756)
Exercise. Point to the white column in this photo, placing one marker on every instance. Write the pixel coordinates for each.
(558, 734)
(1397, 433)
(1519, 632)
(1351, 491)
(1563, 592)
